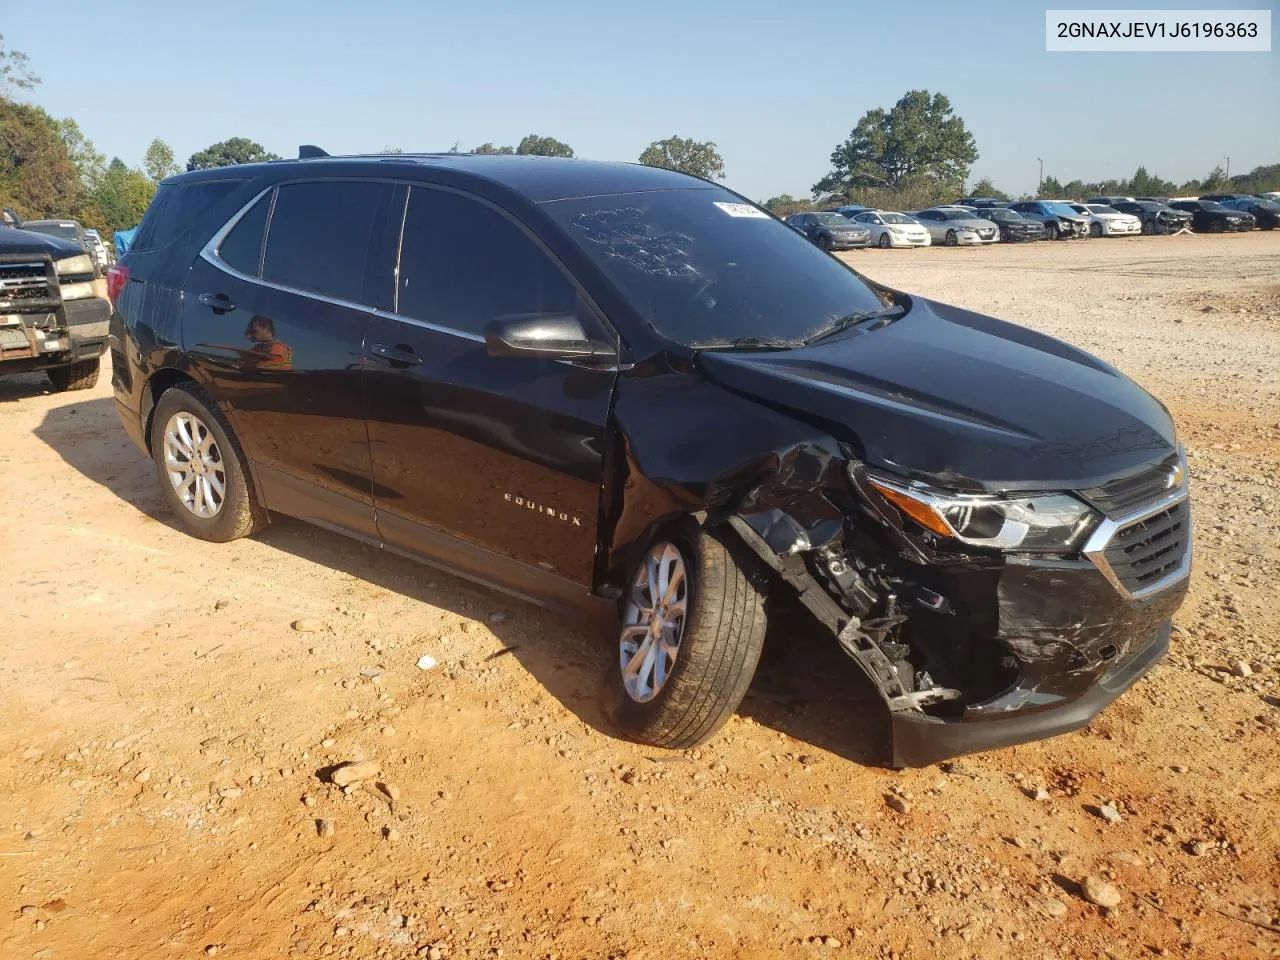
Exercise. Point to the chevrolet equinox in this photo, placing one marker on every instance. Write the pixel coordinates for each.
(636, 395)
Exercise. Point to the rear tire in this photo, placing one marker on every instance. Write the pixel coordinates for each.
(81, 375)
(885, 243)
(716, 647)
(191, 470)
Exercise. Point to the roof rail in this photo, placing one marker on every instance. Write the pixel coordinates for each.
(310, 151)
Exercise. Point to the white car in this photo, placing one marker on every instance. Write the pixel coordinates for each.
(1105, 221)
(957, 226)
(890, 229)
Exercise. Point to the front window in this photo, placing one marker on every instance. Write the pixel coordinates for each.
(1101, 208)
(1211, 206)
(704, 269)
(832, 219)
(957, 215)
(1059, 209)
(896, 218)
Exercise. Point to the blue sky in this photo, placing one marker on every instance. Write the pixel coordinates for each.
(775, 85)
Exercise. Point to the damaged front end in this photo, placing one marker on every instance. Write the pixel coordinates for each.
(982, 621)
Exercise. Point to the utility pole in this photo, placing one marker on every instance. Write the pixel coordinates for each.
(1228, 167)
(1040, 182)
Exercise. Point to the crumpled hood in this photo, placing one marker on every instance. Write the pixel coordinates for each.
(962, 400)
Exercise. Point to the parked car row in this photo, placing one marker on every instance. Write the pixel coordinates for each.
(973, 221)
(88, 239)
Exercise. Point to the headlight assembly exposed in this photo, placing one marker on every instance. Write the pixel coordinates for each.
(1039, 523)
(73, 266)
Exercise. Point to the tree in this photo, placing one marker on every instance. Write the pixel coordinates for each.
(1146, 185)
(123, 195)
(490, 148)
(918, 139)
(1051, 189)
(391, 151)
(15, 70)
(158, 161)
(985, 188)
(37, 177)
(543, 147)
(228, 153)
(784, 205)
(685, 156)
(89, 163)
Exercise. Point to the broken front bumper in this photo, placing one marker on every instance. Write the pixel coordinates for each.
(919, 740)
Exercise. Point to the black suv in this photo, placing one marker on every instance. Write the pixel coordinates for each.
(635, 394)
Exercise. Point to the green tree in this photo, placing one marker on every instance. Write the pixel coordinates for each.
(158, 161)
(228, 153)
(37, 177)
(784, 205)
(1051, 189)
(89, 163)
(919, 138)
(699, 159)
(391, 151)
(543, 147)
(15, 70)
(490, 148)
(985, 188)
(123, 195)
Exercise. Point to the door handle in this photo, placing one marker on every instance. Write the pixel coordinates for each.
(217, 302)
(401, 355)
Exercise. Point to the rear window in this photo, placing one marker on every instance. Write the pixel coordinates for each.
(175, 208)
(319, 236)
(242, 247)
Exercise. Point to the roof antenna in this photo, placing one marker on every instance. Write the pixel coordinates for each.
(309, 151)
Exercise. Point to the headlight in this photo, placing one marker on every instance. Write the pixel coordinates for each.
(1042, 523)
(77, 291)
(897, 230)
(74, 265)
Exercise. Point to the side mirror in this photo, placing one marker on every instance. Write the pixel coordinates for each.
(548, 336)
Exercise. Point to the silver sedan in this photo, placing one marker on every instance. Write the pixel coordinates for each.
(954, 226)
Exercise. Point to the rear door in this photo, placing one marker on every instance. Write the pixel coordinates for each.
(275, 321)
(491, 464)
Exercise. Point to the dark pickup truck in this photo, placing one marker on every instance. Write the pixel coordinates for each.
(50, 316)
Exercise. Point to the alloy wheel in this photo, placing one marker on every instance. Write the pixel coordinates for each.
(194, 465)
(653, 622)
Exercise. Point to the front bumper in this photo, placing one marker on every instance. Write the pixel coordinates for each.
(1112, 228)
(76, 330)
(919, 740)
(909, 240)
(851, 243)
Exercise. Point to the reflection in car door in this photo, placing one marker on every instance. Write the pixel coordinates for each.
(275, 322)
(493, 465)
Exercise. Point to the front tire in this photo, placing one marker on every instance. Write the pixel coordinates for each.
(885, 243)
(951, 240)
(824, 242)
(1148, 228)
(200, 467)
(81, 375)
(1051, 231)
(1095, 229)
(686, 660)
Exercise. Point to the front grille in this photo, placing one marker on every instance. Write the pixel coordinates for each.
(1117, 497)
(21, 283)
(1147, 551)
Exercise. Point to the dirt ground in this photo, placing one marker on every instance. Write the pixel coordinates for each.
(164, 723)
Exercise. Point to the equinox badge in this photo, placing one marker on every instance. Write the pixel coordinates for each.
(542, 508)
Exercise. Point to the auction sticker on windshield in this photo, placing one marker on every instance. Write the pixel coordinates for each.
(742, 210)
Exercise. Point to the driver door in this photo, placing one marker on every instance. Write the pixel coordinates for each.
(493, 465)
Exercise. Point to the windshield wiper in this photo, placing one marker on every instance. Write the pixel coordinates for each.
(752, 343)
(856, 319)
